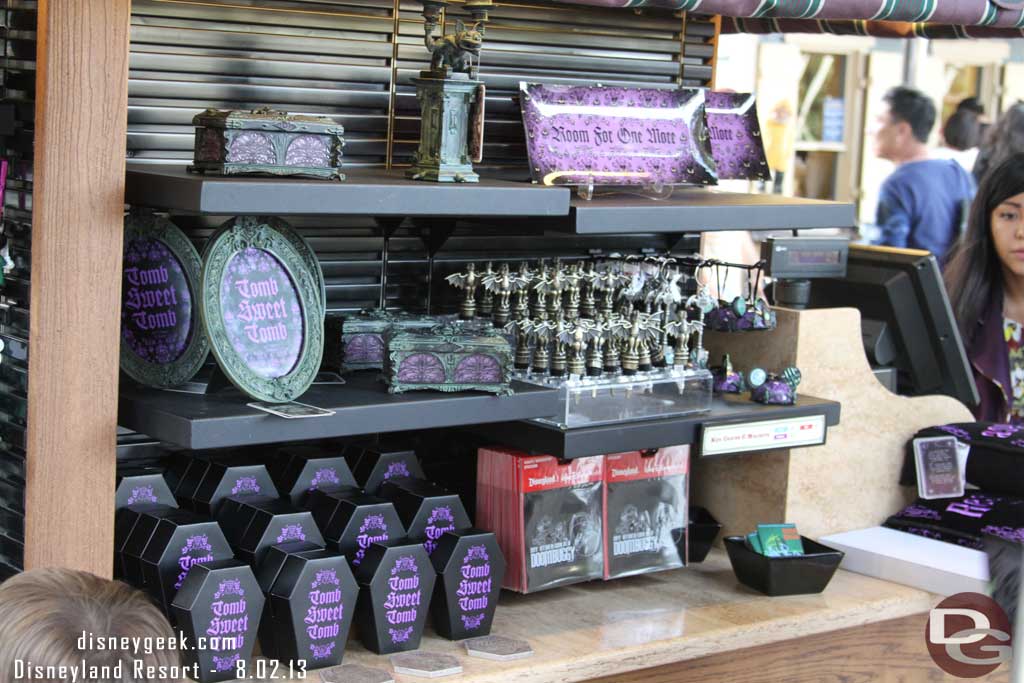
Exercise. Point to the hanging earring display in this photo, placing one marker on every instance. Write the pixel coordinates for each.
(262, 308)
(742, 313)
(162, 341)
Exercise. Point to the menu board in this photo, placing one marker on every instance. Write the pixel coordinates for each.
(579, 135)
(162, 343)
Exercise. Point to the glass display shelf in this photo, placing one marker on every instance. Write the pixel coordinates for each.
(594, 401)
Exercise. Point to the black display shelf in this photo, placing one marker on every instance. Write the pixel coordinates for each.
(365, 192)
(535, 437)
(362, 405)
(698, 209)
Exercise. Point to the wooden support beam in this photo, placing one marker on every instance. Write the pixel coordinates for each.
(78, 202)
(717, 21)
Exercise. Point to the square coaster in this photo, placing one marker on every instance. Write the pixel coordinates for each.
(353, 673)
(426, 664)
(498, 648)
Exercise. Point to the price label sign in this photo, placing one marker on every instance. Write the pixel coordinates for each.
(744, 437)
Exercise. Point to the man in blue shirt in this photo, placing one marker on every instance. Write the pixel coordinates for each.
(924, 202)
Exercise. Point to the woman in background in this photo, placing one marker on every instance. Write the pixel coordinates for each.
(1002, 141)
(985, 280)
(962, 135)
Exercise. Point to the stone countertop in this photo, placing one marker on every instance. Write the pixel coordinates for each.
(606, 628)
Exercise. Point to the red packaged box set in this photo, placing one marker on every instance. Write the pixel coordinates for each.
(645, 511)
(546, 514)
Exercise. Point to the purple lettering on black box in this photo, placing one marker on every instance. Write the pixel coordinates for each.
(262, 313)
(228, 624)
(197, 550)
(404, 598)
(474, 587)
(372, 530)
(325, 614)
(156, 310)
(441, 520)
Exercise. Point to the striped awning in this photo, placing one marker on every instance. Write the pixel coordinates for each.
(879, 29)
(902, 18)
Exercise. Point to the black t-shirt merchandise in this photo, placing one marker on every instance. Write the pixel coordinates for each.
(965, 521)
(996, 460)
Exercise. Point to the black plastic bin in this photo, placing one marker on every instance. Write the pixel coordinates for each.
(796, 575)
(704, 530)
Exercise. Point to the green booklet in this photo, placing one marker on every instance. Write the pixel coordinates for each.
(780, 540)
(754, 543)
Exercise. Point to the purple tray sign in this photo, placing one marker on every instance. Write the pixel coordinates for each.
(577, 135)
(735, 133)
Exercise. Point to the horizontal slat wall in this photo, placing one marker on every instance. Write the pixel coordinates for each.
(16, 138)
(327, 58)
(340, 59)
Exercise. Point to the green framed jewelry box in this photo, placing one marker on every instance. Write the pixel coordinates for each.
(448, 358)
(356, 342)
(267, 142)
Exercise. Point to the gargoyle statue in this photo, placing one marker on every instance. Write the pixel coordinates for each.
(454, 52)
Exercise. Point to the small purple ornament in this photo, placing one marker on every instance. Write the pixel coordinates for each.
(774, 389)
(727, 380)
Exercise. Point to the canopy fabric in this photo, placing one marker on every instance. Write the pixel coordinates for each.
(988, 13)
(879, 29)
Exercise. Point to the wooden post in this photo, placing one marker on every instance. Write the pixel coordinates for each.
(717, 21)
(78, 203)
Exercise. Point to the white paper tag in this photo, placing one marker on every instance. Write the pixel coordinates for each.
(291, 411)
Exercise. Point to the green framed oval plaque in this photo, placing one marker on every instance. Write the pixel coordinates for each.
(262, 307)
(162, 339)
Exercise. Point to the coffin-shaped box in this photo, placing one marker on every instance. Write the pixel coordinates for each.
(146, 487)
(137, 539)
(220, 603)
(426, 510)
(470, 569)
(191, 476)
(396, 582)
(125, 521)
(266, 575)
(375, 464)
(312, 605)
(222, 480)
(352, 521)
(179, 544)
(274, 522)
(307, 469)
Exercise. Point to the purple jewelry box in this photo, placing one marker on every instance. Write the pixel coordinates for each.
(735, 133)
(576, 135)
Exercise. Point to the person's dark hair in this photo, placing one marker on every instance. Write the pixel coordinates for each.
(913, 107)
(974, 274)
(971, 104)
(1004, 139)
(962, 130)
